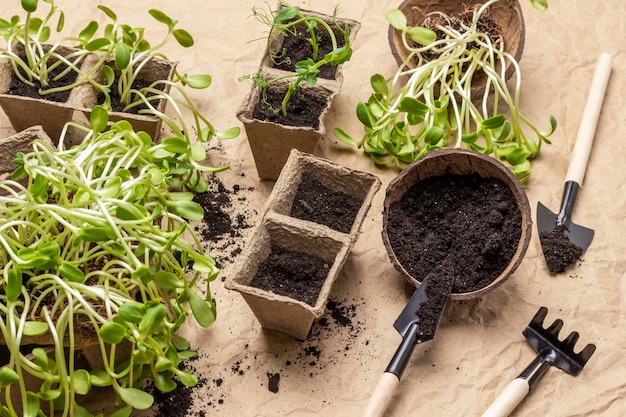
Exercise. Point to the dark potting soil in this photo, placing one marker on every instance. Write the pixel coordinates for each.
(273, 378)
(558, 250)
(294, 274)
(437, 291)
(296, 48)
(116, 102)
(303, 109)
(18, 88)
(473, 221)
(318, 203)
(226, 217)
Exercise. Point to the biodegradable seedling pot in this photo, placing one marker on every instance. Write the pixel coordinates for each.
(357, 187)
(271, 142)
(506, 14)
(278, 42)
(25, 112)
(19, 142)
(155, 70)
(280, 312)
(465, 164)
(270, 139)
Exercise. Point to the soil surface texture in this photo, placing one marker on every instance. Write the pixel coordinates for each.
(318, 203)
(116, 99)
(296, 47)
(558, 250)
(472, 221)
(19, 88)
(294, 274)
(303, 109)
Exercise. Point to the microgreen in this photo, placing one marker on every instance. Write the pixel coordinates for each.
(432, 105)
(285, 20)
(33, 60)
(95, 235)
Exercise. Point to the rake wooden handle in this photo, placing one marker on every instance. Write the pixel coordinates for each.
(518, 389)
(591, 114)
(506, 402)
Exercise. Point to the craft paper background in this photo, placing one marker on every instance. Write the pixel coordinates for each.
(479, 347)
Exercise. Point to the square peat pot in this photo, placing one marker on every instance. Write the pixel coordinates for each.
(285, 313)
(155, 70)
(342, 198)
(272, 141)
(24, 112)
(277, 43)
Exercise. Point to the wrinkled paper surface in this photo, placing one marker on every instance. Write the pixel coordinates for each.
(479, 347)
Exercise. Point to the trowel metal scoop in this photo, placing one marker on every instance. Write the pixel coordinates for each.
(417, 323)
(548, 221)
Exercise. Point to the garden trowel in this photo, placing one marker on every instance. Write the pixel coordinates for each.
(548, 221)
(417, 323)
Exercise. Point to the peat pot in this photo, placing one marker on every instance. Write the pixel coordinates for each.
(336, 193)
(155, 70)
(271, 140)
(274, 306)
(459, 206)
(24, 112)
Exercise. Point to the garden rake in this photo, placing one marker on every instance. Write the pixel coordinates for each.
(550, 351)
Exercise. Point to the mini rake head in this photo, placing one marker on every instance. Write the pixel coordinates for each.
(559, 353)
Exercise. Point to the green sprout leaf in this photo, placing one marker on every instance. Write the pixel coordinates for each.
(422, 35)
(123, 412)
(231, 133)
(541, 5)
(161, 17)
(183, 37)
(132, 312)
(203, 310)
(7, 377)
(396, 19)
(81, 382)
(153, 319)
(71, 272)
(112, 332)
(198, 81)
(35, 328)
(135, 397)
(122, 56)
(98, 119)
(29, 5)
(343, 136)
(168, 281)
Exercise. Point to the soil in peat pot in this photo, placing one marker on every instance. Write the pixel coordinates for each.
(19, 88)
(298, 275)
(116, 102)
(318, 203)
(475, 222)
(558, 250)
(296, 47)
(303, 109)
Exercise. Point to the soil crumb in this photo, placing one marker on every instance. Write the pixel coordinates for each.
(272, 382)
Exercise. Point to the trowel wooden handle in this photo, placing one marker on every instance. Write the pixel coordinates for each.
(379, 401)
(591, 114)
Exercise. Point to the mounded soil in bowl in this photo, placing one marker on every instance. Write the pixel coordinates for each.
(470, 221)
